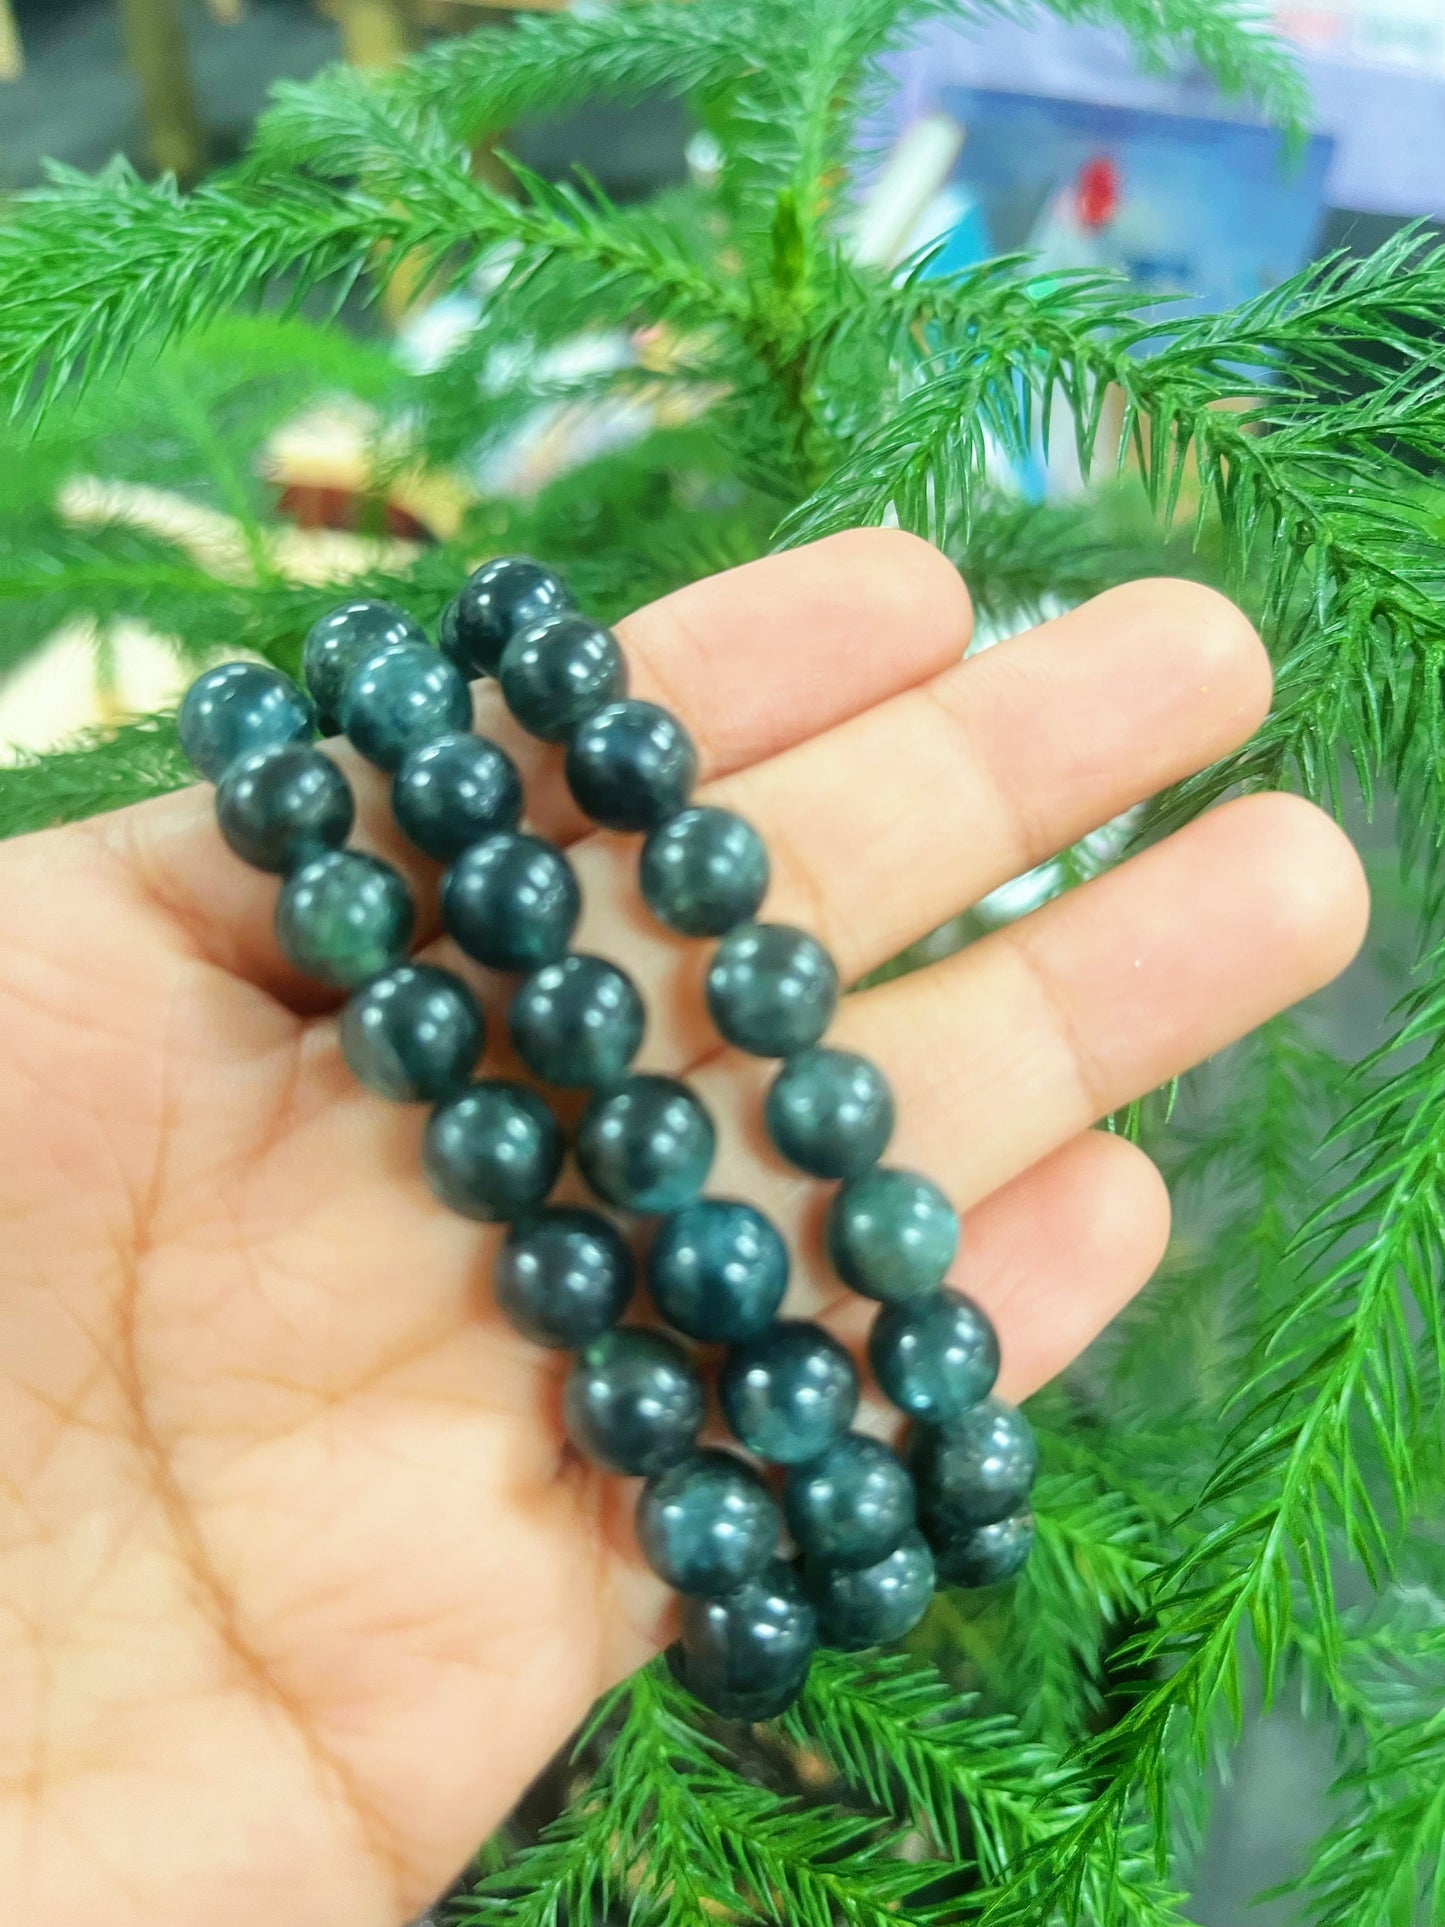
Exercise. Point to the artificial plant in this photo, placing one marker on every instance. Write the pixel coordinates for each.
(1241, 1476)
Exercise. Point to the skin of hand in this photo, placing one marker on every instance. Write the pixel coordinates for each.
(299, 1581)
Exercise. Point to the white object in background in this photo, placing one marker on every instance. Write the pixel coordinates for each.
(59, 691)
(909, 180)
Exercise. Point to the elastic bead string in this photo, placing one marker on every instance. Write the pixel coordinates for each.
(871, 1530)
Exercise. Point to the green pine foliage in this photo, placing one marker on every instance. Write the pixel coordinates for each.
(1240, 1479)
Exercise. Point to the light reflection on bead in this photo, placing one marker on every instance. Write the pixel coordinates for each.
(343, 917)
(934, 1355)
(891, 1233)
(492, 1152)
(633, 1402)
(707, 1523)
(789, 1392)
(578, 1022)
(718, 1270)
(975, 1470)
(413, 1034)
(771, 989)
(563, 1276)
(745, 1655)
(646, 1145)
(874, 1605)
(237, 708)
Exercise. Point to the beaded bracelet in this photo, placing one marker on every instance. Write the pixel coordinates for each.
(872, 1532)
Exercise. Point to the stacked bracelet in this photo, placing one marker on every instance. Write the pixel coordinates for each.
(872, 1532)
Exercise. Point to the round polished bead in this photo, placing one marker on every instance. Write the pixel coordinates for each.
(413, 1034)
(401, 697)
(633, 1402)
(455, 791)
(237, 708)
(718, 1270)
(851, 1504)
(564, 1276)
(704, 870)
(989, 1554)
(874, 1605)
(343, 917)
(557, 673)
(745, 1655)
(497, 600)
(281, 807)
(511, 901)
(578, 1022)
(788, 1393)
(344, 637)
(891, 1233)
(647, 1145)
(934, 1355)
(492, 1152)
(974, 1470)
(830, 1112)
(707, 1523)
(772, 990)
(631, 765)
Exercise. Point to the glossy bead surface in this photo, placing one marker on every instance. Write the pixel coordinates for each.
(563, 1276)
(850, 1505)
(631, 765)
(989, 1554)
(633, 1402)
(511, 901)
(718, 1270)
(237, 708)
(746, 1654)
(772, 990)
(343, 917)
(453, 792)
(343, 638)
(578, 1022)
(789, 1392)
(497, 600)
(874, 1605)
(401, 697)
(704, 870)
(492, 1152)
(647, 1145)
(934, 1355)
(707, 1523)
(891, 1233)
(281, 807)
(413, 1034)
(830, 1112)
(976, 1469)
(557, 673)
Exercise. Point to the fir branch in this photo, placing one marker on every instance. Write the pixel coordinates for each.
(107, 770)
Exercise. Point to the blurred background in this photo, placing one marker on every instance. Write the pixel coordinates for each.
(1047, 138)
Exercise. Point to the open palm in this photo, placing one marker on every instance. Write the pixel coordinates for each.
(299, 1583)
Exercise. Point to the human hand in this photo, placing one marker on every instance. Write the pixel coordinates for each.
(299, 1581)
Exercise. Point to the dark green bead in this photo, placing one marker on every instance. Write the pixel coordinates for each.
(454, 792)
(492, 1152)
(236, 709)
(976, 1469)
(343, 917)
(281, 807)
(891, 1234)
(707, 1523)
(414, 1034)
(934, 1355)
(647, 1145)
(557, 673)
(830, 1112)
(633, 1402)
(850, 1505)
(704, 870)
(497, 600)
(989, 1554)
(717, 1270)
(511, 901)
(401, 697)
(772, 990)
(564, 1276)
(789, 1392)
(577, 1023)
(874, 1605)
(631, 765)
(746, 1654)
(343, 638)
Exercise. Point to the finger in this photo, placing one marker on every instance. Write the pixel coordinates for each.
(885, 826)
(1020, 1042)
(752, 660)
